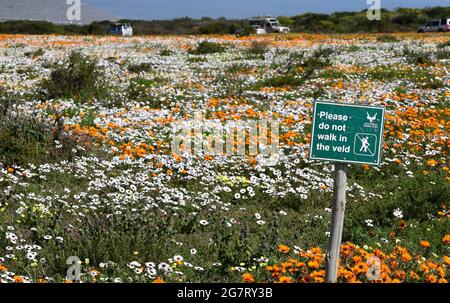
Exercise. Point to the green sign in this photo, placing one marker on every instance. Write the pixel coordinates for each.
(347, 133)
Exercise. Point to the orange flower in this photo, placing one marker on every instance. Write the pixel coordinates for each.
(425, 244)
(406, 257)
(158, 281)
(248, 278)
(3, 267)
(402, 224)
(283, 249)
(18, 279)
(360, 268)
(313, 264)
(446, 239)
(431, 279)
(432, 162)
(10, 170)
(284, 279)
(446, 260)
(413, 275)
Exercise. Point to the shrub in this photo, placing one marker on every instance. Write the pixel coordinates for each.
(323, 53)
(165, 53)
(78, 77)
(283, 80)
(37, 53)
(387, 39)
(26, 140)
(9, 98)
(207, 47)
(418, 57)
(444, 44)
(139, 68)
(443, 54)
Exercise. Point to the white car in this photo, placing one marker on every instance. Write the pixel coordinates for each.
(268, 24)
(121, 29)
(442, 25)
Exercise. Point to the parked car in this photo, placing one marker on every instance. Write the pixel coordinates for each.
(268, 24)
(442, 25)
(121, 29)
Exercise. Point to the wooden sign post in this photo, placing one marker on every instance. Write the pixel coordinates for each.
(344, 133)
(337, 221)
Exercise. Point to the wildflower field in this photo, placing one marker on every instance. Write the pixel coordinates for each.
(87, 170)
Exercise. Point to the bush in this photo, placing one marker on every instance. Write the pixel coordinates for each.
(442, 54)
(444, 44)
(207, 47)
(387, 39)
(323, 53)
(165, 53)
(78, 77)
(37, 53)
(26, 140)
(139, 68)
(418, 57)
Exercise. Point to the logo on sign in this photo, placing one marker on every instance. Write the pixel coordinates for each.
(371, 119)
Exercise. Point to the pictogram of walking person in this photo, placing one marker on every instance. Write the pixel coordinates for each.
(365, 145)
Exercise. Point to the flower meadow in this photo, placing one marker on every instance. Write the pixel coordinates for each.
(87, 170)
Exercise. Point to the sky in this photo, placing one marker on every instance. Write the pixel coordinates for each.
(169, 9)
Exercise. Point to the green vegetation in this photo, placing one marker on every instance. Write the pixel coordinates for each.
(207, 47)
(140, 68)
(300, 68)
(37, 53)
(258, 49)
(25, 139)
(78, 77)
(387, 38)
(400, 19)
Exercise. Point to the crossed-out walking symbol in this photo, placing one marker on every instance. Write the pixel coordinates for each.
(365, 144)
